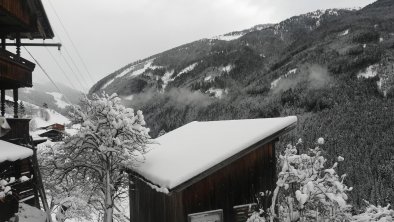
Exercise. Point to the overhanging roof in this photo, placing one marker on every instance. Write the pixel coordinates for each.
(30, 20)
(191, 152)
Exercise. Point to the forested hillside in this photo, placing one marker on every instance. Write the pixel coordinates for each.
(334, 69)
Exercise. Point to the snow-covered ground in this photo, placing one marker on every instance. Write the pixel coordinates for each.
(228, 37)
(289, 73)
(344, 32)
(369, 72)
(28, 213)
(167, 78)
(133, 71)
(59, 99)
(218, 93)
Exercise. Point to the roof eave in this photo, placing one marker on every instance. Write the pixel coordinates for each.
(222, 164)
(47, 33)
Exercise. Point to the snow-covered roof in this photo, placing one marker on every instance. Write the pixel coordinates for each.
(12, 152)
(196, 147)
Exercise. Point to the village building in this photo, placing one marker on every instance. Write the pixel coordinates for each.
(19, 20)
(55, 126)
(53, 135)
(207, 171)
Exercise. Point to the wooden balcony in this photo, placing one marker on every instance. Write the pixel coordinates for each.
(15, 72)
(19, 133)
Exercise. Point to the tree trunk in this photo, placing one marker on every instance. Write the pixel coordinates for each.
(109, 206)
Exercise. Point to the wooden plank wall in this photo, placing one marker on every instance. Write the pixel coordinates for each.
(233, 185)
(16, 8)
(236, 184)
(147, 205)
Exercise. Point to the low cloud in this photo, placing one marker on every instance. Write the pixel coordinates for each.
(313, 76)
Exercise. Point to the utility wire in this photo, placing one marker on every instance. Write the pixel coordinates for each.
(45, 72)
(71, 83)
(69, 66)
(72, 43)
(71, 59)
(61, 68)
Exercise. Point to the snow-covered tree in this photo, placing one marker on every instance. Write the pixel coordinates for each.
(312, 191)
(309, 191)
(306, 190)
(111, 139)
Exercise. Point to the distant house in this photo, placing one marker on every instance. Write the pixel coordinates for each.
(53, 135)
(55, 126)
(207, 171)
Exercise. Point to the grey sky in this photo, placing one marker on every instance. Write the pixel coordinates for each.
(111, 34)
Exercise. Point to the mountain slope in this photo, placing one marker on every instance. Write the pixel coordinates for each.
(332, 68)
(46, 93)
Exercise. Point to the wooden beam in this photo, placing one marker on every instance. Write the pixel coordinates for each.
(3, 42)
(2, 102)
(18, 45)
(15, 92)
(58, 45)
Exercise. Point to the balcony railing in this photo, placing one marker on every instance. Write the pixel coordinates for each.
(19, 132)
(15, 72)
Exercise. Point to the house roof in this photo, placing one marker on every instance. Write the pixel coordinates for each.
(35, 26)
(12, 152)
(197, 147)
(52, 131)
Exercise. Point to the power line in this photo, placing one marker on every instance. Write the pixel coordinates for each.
(62, 70)
(72, 84)
(50, 79)
(72, 70)
(72, 60)
(72, 43)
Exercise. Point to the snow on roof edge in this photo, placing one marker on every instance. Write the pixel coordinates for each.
(12, 152)
(284, 124)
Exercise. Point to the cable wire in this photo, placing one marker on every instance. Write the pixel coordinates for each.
(72, 60)
(71, 41)
(64, 75)
(47, 75)
(62, 70)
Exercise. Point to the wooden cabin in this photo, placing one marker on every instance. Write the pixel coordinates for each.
(207, 171)
(55, 126)
(53, 135)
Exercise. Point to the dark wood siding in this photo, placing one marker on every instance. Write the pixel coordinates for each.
(14, 71)
(19, 131)
(235, 184)
(17, 9)
(148, 205)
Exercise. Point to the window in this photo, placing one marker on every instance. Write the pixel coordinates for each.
(208, 216)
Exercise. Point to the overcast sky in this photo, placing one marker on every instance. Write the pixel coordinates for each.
(111, 34)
